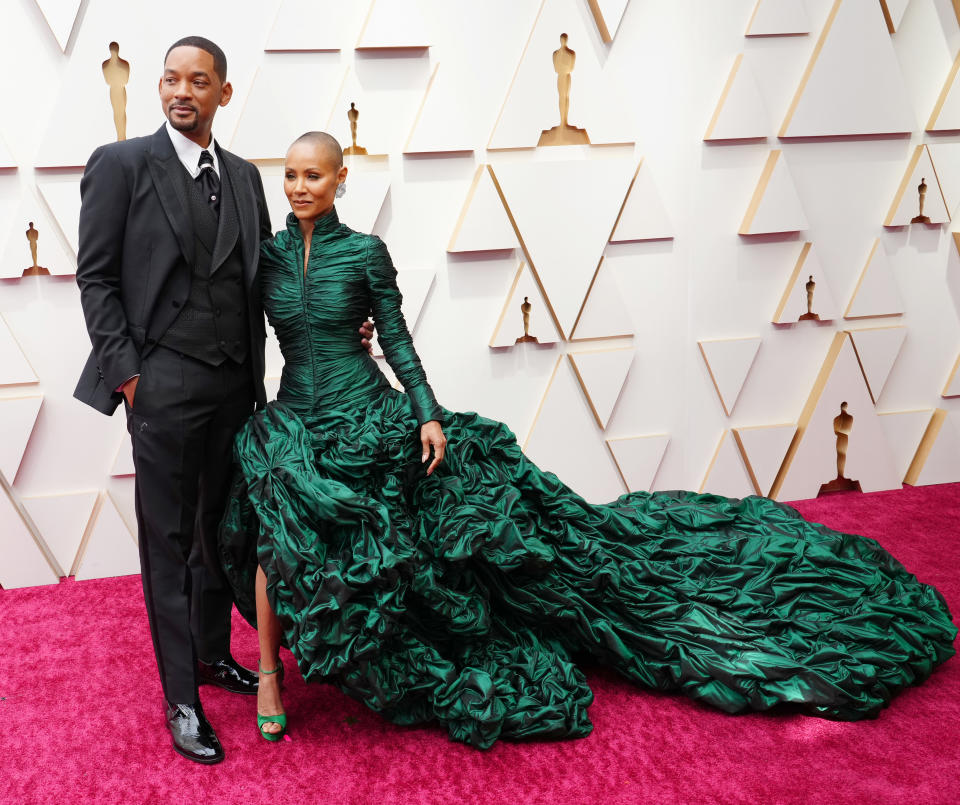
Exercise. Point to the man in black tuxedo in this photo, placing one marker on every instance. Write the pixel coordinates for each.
(170, 227)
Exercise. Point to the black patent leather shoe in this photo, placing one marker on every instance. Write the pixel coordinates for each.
(193, 737)
(229, 675)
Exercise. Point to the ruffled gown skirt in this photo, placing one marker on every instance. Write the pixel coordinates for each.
(464, 597)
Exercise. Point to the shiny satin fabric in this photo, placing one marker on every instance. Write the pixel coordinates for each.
(464, 596)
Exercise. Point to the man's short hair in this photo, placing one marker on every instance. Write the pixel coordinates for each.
(219, 58)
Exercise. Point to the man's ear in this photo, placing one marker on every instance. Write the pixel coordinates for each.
(226, 94)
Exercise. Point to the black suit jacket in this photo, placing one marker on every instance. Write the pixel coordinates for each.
(136, 252)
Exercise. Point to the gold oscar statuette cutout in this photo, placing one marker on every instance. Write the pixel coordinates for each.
(842, 426)
(810, 315)
(34, 270)
(525, 308)
(116, 72)
(353, 114)
(564, 134)
(920, 218)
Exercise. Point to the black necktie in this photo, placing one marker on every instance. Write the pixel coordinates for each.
(209, 181)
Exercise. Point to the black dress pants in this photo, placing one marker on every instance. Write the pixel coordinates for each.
(184, 417)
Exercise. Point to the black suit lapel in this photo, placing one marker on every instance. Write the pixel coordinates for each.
(165, 168)
(244, 212)
(229, 226)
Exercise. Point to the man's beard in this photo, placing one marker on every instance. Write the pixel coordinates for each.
(184, 125)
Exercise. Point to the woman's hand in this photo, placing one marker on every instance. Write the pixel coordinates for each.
(366, 336)
(431, 435)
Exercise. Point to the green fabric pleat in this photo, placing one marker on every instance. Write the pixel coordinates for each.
(464, 596)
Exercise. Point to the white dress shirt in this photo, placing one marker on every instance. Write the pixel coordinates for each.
(189, 152)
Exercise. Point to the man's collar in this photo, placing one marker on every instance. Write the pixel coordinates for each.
(188, 152)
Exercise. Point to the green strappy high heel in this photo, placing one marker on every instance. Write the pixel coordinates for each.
(280, 719)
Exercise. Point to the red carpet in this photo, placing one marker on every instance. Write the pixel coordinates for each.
(81, 718)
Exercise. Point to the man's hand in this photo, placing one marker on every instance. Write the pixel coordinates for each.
(129, 389)
(431, 435)
(366, 334)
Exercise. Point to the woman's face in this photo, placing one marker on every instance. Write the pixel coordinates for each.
(310, 180)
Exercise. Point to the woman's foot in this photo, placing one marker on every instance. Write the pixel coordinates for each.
(268, 701)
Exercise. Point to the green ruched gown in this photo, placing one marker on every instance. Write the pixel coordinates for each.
(464, 596)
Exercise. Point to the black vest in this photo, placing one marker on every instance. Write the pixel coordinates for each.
(213, 323)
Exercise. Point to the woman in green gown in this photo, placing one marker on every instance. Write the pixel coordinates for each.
(460, 590)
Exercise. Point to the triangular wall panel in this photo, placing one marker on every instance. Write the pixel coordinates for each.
(441, 125)
(877, 349)
(378, 128)
(316, 25)
(123, 460)
(906, 202)
(110, 549)
(811, 460)
(509, 326)
(740, 112)
(564, 439)
(52, 251)
(62, 521)
(602, 374)
(946, 112)
(608, 15)
(18, 415)
(15, 368)
(938, 457)
(904, 431)
(727, 474)
(22, 563)
(778, 18)
(775, 206)
(563, 234)
(638, 458)
(532, 102)
(6, 158)
(794, 302)
(728, 362)
(61, 15)
(643, 216)
(62, 195)
(876, 293)
(392, 24)
(839, 95)
(763, 448)
(275, 112)
(604, 313)
(483, 224)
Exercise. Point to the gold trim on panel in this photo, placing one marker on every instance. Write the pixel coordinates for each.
(613, 455)
(953, 372)
(466, 206)
(887, 17)
(806, 73)
(23, 353)
(626, 198)
(543, 399)
(746, 456)
(760, 191)
(423, 103)
(926, 445)
(944, 92)
(726, 90)
(583, 383)
(716, 454)
(601, 22)
(506, 304)
(526, 251)
(706, 360)
(808, 409)
(791, 282)
(31, 527)
(907, 175)
(856, 352)
(513, 80)
(856, 290)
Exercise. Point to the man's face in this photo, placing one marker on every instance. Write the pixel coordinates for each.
(190, 91)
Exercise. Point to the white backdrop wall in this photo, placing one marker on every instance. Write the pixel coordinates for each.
(445, 86)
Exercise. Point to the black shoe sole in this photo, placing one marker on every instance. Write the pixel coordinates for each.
(205, 761)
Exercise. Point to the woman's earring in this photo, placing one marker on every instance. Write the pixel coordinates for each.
(341, 189)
